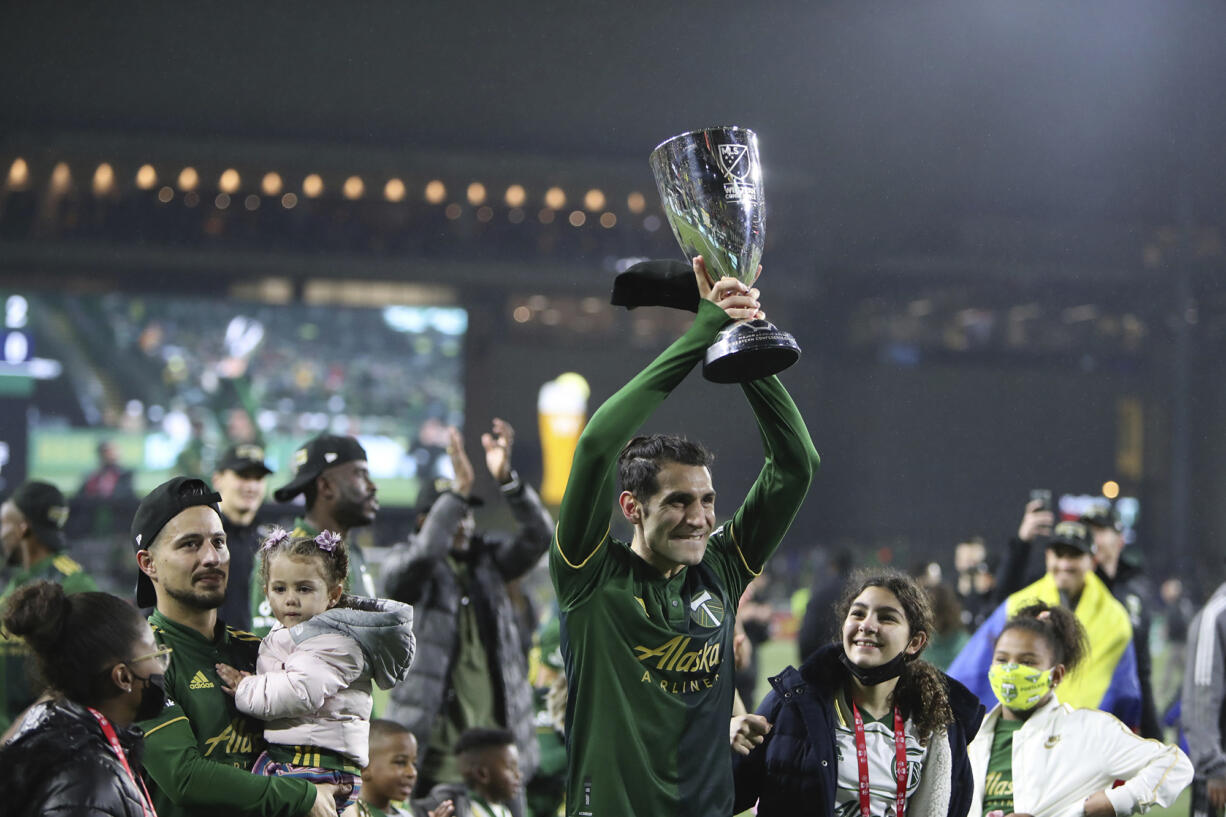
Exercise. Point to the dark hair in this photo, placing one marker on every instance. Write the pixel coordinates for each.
(382, 728)
(76, 638)
(922, 693)
(335, 562)
(639, 462)
(1055, 625)
(946, 608)
(474, 740)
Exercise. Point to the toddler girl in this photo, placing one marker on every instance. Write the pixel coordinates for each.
(314, 673)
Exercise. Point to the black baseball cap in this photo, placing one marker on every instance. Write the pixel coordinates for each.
(163, 504)
(433, 489)
(316, 456)
(244, 457)
(1101, 516)
(1072, 534)
(45, 510)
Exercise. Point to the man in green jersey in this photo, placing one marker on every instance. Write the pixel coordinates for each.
(198, 750)
(331, 473)
(32, 539)
(647, 628)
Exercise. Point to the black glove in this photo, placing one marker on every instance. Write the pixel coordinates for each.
(656, 283)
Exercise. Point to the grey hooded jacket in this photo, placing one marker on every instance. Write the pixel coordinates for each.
(417, 573)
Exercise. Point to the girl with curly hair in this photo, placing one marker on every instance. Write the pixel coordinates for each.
(865, 727)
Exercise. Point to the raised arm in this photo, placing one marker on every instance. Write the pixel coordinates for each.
(783, 482)
(583, 519)
(406, 570)
(515, 555)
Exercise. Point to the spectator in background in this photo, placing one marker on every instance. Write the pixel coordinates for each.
(32, 538)
(1204, 705)
(491, 782)
(821, 621)
(331, 473)
(1177, 613)
(76, 753)
(1107, 679)
(949, 635)
(974, 582)
(753, 615)
(241, 478)
(1017, 568)
(470, 670)
(1130, 587)
(109, 480)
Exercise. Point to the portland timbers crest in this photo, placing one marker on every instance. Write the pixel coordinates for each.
(706, 610)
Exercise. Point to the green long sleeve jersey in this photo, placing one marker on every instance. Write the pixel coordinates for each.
(199, 749)
(648, 658)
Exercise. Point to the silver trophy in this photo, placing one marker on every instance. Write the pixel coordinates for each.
(710, 183)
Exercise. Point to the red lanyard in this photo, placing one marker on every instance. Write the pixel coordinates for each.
(900, 763)
(113, 739)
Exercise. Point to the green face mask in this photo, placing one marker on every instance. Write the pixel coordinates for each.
(1018, 686)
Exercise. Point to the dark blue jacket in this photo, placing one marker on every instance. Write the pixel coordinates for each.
(794, 771)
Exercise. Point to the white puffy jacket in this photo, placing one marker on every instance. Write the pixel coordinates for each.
(1063, 755)
(313, 681)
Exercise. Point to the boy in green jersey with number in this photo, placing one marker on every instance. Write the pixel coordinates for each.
(647, 627)
(198, 750)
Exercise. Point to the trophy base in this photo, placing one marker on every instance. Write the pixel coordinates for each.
(749, 350)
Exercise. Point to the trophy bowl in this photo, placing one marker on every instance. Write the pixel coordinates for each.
(710, 184)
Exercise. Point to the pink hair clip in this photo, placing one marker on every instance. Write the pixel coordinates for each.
(275, 538)
(328, 540)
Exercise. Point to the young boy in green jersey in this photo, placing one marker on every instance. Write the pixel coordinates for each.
(489, 762)
(390, 774)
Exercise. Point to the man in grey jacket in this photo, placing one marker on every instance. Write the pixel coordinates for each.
(1203, 714)
(470, 669)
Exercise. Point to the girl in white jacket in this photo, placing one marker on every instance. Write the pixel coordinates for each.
(1037, 757)
(315, 669)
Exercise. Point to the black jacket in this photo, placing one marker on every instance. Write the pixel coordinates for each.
(59, 763)
(794, 771)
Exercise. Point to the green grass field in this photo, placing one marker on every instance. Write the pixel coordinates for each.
(773, 656)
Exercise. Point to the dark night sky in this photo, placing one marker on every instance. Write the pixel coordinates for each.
(1088, 107)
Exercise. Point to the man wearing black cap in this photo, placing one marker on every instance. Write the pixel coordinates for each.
(241, 477)
(32, 538)
(470, 669)
(1128, 584)
(198, 749)
(331, 473)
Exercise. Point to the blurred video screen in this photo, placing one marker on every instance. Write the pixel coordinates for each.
(163, 384)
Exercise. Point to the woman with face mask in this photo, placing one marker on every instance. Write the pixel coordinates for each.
(1037, 756)
(865, 727)
(75, 752)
